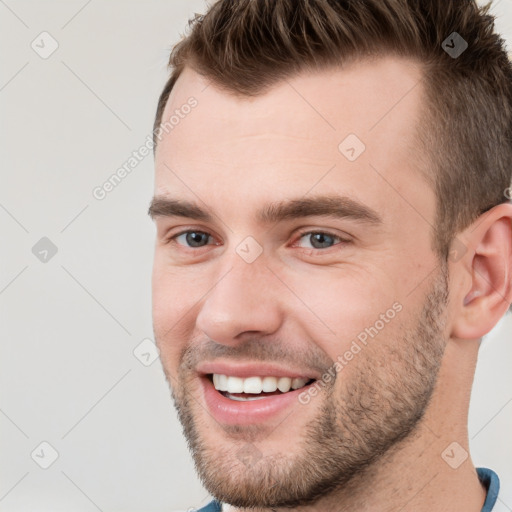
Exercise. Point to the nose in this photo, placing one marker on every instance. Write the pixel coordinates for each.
(243, 302)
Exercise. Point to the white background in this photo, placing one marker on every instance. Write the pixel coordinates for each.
(68, 327)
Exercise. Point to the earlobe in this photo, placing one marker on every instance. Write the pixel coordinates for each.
(490, 265)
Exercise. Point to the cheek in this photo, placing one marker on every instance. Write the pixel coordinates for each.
(172, 311)
(337, 307)
(172, 294)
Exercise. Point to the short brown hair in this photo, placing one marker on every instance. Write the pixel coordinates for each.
(465, 136)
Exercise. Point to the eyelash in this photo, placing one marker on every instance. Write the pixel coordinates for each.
(301, 234)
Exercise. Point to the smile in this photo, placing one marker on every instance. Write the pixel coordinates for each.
(255, 387)
(247, 398)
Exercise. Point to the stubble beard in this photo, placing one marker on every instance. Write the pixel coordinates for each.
(380, 406)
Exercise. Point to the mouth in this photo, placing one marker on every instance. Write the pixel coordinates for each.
(255, 388)
(248, 398)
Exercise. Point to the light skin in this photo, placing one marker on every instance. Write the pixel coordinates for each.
(232, 156)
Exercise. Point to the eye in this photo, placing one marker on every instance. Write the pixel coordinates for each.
(195, 239)
(191, 238)
(320, 239)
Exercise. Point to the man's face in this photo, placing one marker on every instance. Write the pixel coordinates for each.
(312, 268)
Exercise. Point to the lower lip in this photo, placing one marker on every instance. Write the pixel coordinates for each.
(233, 412)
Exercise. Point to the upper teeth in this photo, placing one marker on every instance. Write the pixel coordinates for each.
(256, 384)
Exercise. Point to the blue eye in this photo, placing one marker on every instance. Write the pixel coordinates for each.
(193, 239)
(320, 239)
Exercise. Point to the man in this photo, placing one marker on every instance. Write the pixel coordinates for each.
(334, 238)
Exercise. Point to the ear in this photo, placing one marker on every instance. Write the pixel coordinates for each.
(485, 273)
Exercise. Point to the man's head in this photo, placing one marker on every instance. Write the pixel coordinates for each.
(305, 210)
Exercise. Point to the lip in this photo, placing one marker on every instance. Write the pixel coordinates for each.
(245, 370)
(232, 412)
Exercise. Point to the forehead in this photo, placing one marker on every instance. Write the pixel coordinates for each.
(302, 133)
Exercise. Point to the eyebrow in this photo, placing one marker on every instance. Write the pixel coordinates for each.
(340, 207)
